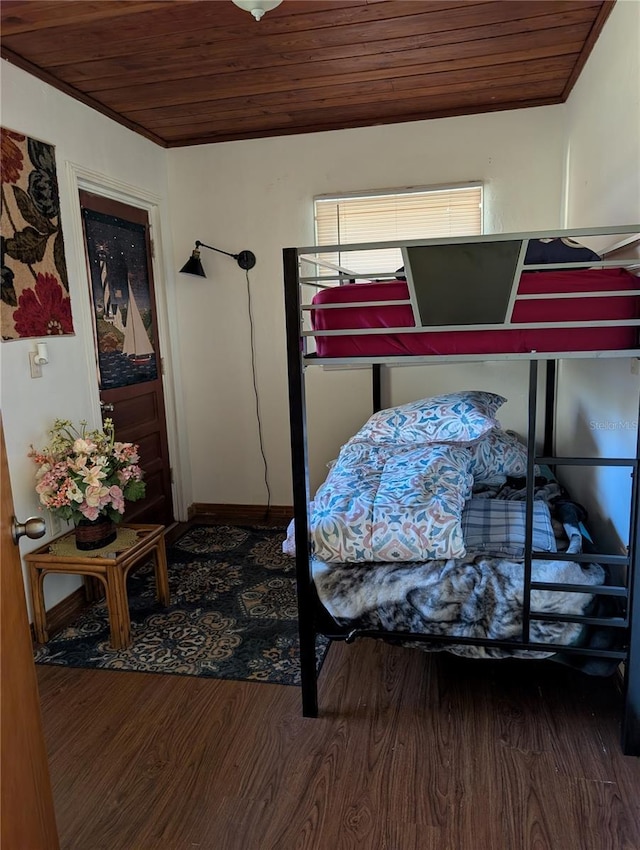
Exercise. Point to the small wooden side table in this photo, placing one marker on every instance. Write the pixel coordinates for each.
(109, 566)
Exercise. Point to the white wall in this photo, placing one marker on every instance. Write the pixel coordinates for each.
(603, 126)
(67, 388)
(257, 195)
(600, 399)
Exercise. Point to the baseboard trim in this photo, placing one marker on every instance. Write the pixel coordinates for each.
(65, 612)
(241, 513)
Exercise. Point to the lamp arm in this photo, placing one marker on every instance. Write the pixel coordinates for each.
(245, 259)
(211, 248)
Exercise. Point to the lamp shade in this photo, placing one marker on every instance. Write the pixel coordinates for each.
(245, 259)
(193, 265)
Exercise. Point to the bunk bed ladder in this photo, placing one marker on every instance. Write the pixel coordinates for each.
(629, 593)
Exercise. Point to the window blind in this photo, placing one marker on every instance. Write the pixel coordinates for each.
(423, 214)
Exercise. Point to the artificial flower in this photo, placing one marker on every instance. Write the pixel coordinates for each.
(87, 474)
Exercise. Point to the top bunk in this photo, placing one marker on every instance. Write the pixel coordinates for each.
(538, 295)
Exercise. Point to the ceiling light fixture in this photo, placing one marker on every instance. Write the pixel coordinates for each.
(245, 259)
(257, 7)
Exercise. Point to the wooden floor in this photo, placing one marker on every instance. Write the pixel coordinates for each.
(412, 751)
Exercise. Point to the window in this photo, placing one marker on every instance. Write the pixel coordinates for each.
(398, 214)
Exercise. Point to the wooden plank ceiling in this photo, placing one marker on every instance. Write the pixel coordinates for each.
(200, 71)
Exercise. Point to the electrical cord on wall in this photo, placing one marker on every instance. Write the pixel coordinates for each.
(255, 392)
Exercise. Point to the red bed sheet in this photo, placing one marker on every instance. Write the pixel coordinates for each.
(512, 340)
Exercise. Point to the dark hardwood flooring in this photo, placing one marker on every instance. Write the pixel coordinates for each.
(412, 751)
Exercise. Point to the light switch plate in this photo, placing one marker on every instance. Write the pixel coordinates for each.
(36, 369)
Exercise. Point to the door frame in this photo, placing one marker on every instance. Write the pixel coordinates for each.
(80, 178)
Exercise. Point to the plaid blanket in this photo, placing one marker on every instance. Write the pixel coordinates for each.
(497, 527)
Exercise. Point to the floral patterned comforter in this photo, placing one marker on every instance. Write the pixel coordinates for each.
(392, 503)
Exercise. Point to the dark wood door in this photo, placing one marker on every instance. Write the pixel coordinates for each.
(26, 801)
(128, 357)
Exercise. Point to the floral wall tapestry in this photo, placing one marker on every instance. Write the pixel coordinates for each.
(35, 287)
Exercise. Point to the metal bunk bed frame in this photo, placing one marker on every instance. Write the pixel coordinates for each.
(313, 618)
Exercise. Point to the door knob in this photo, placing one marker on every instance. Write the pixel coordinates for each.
(34, 528)
(106, 407)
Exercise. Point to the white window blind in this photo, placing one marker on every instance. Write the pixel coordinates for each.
(416, 214)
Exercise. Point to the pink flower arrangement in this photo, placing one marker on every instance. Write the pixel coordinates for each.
(83, 475)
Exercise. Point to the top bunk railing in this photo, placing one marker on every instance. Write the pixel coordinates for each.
(469, 284)
(629, 236)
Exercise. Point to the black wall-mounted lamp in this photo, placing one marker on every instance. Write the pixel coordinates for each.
(245, 259)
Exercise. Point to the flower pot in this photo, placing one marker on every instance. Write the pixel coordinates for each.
(94, 534)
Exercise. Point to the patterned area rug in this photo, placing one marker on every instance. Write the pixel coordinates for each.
(233, 613)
